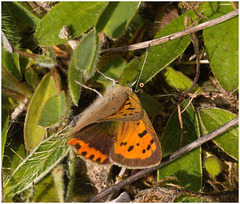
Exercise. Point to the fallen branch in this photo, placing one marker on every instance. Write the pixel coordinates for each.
(166, 159)
(173, 36)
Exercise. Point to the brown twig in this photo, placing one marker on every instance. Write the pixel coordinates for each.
(184, 94)
(174, 35)
(167, 159)
(26, 54)
(180, 122)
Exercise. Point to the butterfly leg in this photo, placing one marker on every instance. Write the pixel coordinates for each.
(119, 178)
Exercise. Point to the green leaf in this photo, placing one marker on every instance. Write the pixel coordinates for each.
(78, 16)
(188, 199)
(38, 164)
(213, 118)
(45, 191)
(33, 133)
(32, 78)
(10, 61)
(150, 104)
(212, 165)
(25, 13)
(74, 74)
(53, 110)
(178, 81)
(83, 64)
(86, 54)
(187, 168)
(14, 153)
(13, 88)
(221, 43)
(160, 56)
(112, 70)
(5, 121)
(114, 19)
(130, 72)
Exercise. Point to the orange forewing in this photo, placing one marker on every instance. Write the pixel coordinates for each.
(137, 144)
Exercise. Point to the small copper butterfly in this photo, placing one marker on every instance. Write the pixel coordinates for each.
(116, 129)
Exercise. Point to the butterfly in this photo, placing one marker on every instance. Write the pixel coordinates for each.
(116, 129)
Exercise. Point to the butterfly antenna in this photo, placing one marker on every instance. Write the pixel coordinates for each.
(138, 79)
(106, 77)
(86, 87)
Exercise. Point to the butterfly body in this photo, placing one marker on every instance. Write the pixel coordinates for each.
(116, 129)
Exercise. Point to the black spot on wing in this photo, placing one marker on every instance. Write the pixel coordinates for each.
(130, 148)
(130, 108)
(142, 134)
(149, 147)
(91, 156)
(84, 153)
(98, 159)
(123, 143)
(77, 146)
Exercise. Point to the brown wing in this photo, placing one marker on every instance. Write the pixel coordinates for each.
(137, 144)
(94, 142)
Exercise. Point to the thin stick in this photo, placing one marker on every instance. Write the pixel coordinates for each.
(106, 77)
(167, 159)
(86, 87)
(138, 79)
(180, 123)
(174, 36)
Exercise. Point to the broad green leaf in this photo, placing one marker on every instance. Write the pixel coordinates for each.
(112, 70)
(83, 64)
(213, 118)
(45, 191)
(160, 56)
(74, 74)
(78, 16)
(178, 81)
(24, 12)
(221, 42)
(9, 29)
(116, 17)
(53, 110)
(130, 72)
(212, 166)
(10, 61)
(86, 54)
(33, 133)
(187, 168)
(32, 78)
(38, 164)
(150, 104)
